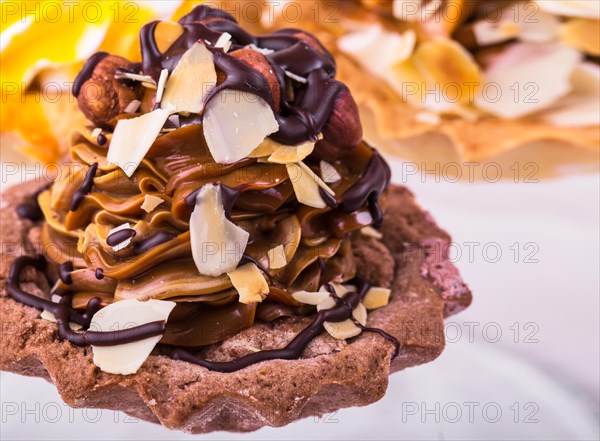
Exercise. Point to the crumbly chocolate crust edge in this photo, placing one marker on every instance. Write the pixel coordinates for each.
(426, 287)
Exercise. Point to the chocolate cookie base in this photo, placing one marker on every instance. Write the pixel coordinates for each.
(331, 374)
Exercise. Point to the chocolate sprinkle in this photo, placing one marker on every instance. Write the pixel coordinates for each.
(120, 236)
(101, 139)
(144, 245)
(31, 209)
(64, 272)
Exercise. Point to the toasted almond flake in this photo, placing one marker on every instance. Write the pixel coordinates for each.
(217, 243)
(126, 242)
(127, 358)
(249, 283)
(224, 41)
(292, 153)
(431, 60)
(376, 297)
(132, 107)
(235, 123)
(317, 179)
(571, 8)
(135, 77)
(295, 77)
(515, 22)
(47, 315)
(97, 131)
(149, 85)
(191, 81)
(581, 107)
(277, 257)
(328, 173)
(550, 66)
(428, 118)
(369, 231)
(377, 49)
(262, 50)
(344, 329)
(266, 148)
(132, 139)
(162, 81)
(310, 298)
(305, 188)
(151, 202)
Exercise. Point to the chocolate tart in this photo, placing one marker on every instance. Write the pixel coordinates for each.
(330, 375)
(206, 257)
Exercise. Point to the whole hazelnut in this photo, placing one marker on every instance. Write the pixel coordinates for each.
(342, 132)
(102, 97)
(259, 63)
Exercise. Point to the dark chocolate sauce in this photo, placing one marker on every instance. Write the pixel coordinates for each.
(229, 197)
(381, 332)
(64, 272)
(120, 236)
(99, 273)
(85, 188)
(367, 189)
(65, 314)
(330, 200)
(86, 72)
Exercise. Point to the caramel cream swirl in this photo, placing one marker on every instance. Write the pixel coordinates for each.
(92, 197)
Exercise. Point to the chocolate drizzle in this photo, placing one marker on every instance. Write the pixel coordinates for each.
(299, 120)
(85, 187)
(367, 189)
(65, 314)
(31, 209)
(229, 196)
(293, 350)
(86, 72)
(381, 332)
